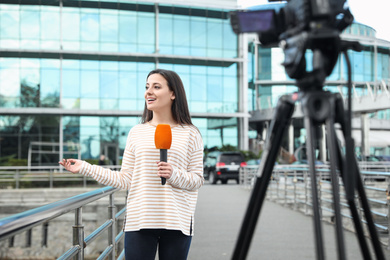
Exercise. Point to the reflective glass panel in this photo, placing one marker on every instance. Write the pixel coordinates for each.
(109, 30)
(127, 31)
(30, 27)
(198, 36)
(50, 23)
(71, 29)
(146, 33)
(9, 22)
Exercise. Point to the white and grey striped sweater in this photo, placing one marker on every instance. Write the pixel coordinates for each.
(151, 205)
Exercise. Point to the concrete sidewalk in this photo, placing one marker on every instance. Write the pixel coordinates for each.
(281, 233)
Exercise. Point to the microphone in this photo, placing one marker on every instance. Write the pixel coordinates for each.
(163, 140)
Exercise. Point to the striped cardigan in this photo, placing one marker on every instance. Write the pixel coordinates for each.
(151, 205)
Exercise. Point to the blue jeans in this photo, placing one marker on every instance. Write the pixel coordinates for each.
(142, 245)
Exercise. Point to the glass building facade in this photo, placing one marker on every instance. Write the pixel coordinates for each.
(73, 73)
(268, 80)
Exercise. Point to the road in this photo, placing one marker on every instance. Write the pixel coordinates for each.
(281, 232)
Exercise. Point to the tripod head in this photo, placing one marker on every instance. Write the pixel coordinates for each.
(298, 26)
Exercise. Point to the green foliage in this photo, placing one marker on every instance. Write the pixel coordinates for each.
(18, 162)
(92, 161)
(230, 148)
(249, 155)
(12, 161)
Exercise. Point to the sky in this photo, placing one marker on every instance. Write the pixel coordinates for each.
(373, 13)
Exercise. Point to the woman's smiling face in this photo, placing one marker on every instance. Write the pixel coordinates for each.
(158, 96)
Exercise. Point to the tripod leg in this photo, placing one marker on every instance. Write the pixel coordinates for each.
(354, 212)
(361, 192)
(282, 118)
(370, 222)
(333, 158)
(318, 108)
(316, 213)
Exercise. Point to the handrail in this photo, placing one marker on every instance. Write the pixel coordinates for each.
(9, 226)
(52, 174)
(290, 185)
(26, 221)
(16, 175)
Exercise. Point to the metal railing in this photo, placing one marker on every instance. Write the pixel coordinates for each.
(290, 185)
(26, 221)
(19, 176)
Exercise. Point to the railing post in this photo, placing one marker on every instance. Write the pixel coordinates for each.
(112, 228)
(251, 178)
(17, 177)
(45, 230)
(277, 187)
(320, 195)
(306, 195)
(285, 188)
(78, 233)
(11, 242)
(388, 211)
(28, 238)
(295, 180)
(242, 176)
(51, 177)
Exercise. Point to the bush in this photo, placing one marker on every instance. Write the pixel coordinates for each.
(229, 148)
(12, 161)
(248, 155)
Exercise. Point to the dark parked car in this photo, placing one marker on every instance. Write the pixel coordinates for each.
(374, 158)
(384, 158)
(223, 166)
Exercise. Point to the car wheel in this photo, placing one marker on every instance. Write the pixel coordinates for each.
(212, 178)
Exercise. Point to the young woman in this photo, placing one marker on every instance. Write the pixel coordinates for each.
(157, 216)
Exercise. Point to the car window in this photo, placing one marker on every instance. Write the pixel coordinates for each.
(231, 158)
(211, 160)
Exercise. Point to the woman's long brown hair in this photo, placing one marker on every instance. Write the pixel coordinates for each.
(179, 107)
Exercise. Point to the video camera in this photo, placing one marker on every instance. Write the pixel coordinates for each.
(296, 26)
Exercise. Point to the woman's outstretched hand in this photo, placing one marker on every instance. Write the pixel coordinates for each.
(72, 165)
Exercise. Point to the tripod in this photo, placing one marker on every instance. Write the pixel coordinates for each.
(319, 107)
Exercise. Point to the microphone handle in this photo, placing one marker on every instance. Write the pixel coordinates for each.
(163, 158)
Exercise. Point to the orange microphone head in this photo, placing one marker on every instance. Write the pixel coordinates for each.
(163, 136)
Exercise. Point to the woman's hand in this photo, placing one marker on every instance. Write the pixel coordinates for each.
(72, 165)
(164, 170)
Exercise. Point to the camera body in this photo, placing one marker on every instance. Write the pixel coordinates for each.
(296, 26)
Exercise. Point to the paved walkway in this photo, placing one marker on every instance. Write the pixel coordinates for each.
(281, 233)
